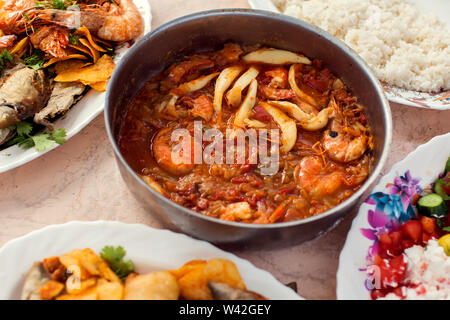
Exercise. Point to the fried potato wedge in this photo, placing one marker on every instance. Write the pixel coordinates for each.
(89, 294)
(160, 285)
(286, 124)
(188, 267)
(275, 56)
(194, 284)
(107, 290)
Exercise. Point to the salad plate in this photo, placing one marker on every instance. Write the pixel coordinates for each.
(80, 114)
(150, 250)
(439, 100)
(392, 203)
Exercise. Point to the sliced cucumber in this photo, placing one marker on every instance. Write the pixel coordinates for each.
(432, 205)
(439, 190)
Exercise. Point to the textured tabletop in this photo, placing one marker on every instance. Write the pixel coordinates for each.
(80, 181)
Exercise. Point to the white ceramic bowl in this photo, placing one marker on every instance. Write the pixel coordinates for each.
(406, 178)
(149, 249)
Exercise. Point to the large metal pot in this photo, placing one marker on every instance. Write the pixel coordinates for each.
(210, 30)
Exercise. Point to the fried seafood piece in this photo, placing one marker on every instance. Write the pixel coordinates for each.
(194, 277)
(111, 22)
(22, 94)
(51, 39)
(63, 96)
(153, 286)
(223, 291)
(36, 278)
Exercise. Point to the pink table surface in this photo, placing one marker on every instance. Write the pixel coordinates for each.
(80, 181)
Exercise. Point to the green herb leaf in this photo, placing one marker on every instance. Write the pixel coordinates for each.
(5, 55)
(59, 136)
(73, 39)
(446, 229)
(114, 256)
(24, 128)
(35, 61)
(56, 4)
(41, 142)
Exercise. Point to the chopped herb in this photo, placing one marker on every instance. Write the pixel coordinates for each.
(5, 55)
(446, 229)
(56, 4)
(26, 16)
(114, 256)
(41, 142)
(35, 61)
(73, 39)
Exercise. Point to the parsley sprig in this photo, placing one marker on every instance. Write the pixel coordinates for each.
(41, 142)
(115, 258)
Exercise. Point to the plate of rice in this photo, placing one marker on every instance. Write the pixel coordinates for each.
(405, 42)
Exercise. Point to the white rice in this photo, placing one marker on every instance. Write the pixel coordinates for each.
(405, 48)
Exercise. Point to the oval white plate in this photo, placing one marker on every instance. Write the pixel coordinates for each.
(150, 250)
(79, 116)
(439, 101)
(417, 171)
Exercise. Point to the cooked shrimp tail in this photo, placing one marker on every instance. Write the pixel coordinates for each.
(109, 22)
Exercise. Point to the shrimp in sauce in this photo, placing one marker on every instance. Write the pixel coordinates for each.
(299, 97)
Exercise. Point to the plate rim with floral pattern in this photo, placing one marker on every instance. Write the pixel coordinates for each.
(437, 101)
(387, 205)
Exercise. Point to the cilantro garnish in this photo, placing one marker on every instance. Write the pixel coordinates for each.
(114, 256)
(41, 142)
(35, 61)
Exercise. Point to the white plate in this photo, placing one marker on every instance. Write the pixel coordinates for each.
(79, 116)
(150, 250)
(438, 101)
(417, 171)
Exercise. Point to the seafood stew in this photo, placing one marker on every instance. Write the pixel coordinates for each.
(52, 52)
(81, 274)
(316, 137)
